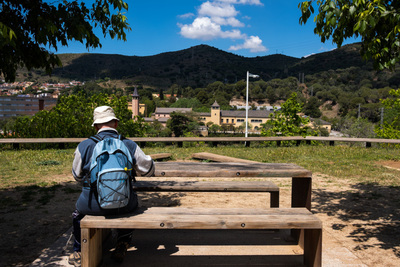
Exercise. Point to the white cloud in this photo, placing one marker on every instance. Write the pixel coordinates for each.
(215, 9)
(217, 19)
(205, 29)
(220, 13)
(186, 16)
(253, 43)
(227, 21)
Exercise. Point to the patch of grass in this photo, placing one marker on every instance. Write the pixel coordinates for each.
(358, 164)
(48, 163)
(351, 162)
(32, 167)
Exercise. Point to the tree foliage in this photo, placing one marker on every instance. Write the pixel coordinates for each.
(72, 117)
(31, 29)
(311, 108)
(287, 121)
(375, 21)
(357, 127)
(180, 123)
(391, 124)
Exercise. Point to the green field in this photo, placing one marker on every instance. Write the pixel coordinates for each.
(361, 165)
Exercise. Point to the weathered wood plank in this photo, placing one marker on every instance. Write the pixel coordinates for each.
(219, 158)
(227, 211)
(161, 156)
(312, 247)
(201, 218)
(205, 186)
(91, 246)
(226, 169)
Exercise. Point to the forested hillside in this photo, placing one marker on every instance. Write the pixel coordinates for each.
(197, 66)
(335, 83)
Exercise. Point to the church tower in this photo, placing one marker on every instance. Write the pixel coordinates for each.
(216, 113)
(135, 103)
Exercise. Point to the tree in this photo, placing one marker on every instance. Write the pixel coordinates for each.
(180, 123)
(357, 128)
(287, 121)
(214, 128)
(187, 103)
(311, 108)
(202, 96)
(391, 125)
(375, 21)
(72, 117)
(31, 29)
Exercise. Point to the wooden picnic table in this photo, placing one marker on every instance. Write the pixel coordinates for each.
(301, 178)
(304, 226)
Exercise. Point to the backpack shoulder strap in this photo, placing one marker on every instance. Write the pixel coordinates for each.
(96, 138)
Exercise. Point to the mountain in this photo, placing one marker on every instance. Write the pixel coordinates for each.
(198, 66)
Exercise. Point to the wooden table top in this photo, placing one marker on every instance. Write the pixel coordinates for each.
(229, 169)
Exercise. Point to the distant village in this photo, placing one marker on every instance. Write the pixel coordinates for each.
(42, 90)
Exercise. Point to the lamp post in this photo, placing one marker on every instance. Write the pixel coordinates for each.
(247, 96)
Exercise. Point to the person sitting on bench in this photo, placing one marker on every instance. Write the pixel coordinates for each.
(106, 124)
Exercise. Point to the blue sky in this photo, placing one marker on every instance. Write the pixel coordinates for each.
(248, 28)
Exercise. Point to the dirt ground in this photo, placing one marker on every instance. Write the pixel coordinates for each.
(364, 219)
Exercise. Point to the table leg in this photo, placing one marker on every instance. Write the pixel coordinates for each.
(91, 247)
(274, 198)
(313, 247)
(301, 197)
(301, 192)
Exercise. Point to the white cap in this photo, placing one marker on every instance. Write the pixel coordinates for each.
(103, 114)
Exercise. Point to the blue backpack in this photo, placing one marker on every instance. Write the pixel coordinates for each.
(111, 172)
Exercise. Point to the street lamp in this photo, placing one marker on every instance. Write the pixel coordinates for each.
(247, 96)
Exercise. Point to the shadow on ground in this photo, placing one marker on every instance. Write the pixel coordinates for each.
(34, 217)
(372, 209)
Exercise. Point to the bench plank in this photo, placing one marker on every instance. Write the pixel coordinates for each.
(229, 169)
(204, 186)
(205, 218)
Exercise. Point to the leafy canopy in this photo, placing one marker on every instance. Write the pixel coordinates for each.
(391, 125)
(30, 29)
(72, 117)
(287, 121)
(375, 21)
(180, 123)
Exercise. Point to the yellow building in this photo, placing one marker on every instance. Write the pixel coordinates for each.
(225, 118)
(235, 118)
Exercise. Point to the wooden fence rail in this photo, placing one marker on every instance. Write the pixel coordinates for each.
(213, 140)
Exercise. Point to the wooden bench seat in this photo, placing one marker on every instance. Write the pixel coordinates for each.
(205, 218)
(207, 186)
